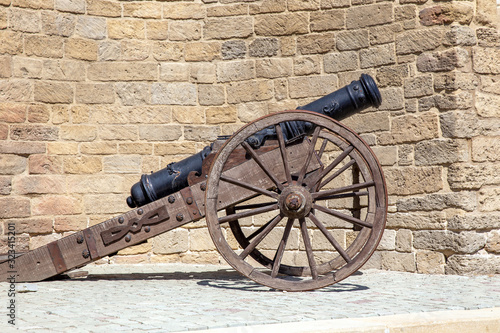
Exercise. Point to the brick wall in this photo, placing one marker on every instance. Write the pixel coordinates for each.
(95, 92)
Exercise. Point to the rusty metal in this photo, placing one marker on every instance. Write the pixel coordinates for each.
(79, 239)
(187, 195)
(57, 257)
(91, 244)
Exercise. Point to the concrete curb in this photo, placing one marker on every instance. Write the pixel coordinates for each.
(463, 321)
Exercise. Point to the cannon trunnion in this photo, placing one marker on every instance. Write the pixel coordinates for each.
(294, 200)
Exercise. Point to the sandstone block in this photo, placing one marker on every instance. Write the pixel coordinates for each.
(488, 105)
(412, 180)
(5, 66)
(456, 81)
(104, 8)
(233, 49)
(369, 122)
(485, 149)
(95, 93)
(184, 11)
(25, 20)
(395, 261)
(388, 241)
(39, 184)
(109, 50)
(141, 248)
(199, 51)
(175, 148)
(130, 93)
(98, 148)
(176, 241)
(352, 40)
(486, 60)
(88, 184)
(45, 164)
(11, 42)
(160, 132)
(327, 20)
(118, 132)
(460, 124)
(150, 114)
(386, 155)
(417, 41)
(264, 47)
(430, 262)
(188, 114)
(392, 99)
(488, 37)
(22, 148)
(58, 24)
(104, 203)
(38, 113)
(404, 241)
(83, 49)
(447, 13)
(44, 46)
(34, 133)
(460, 35)
(363, 16)
(32, 226)
(56, 205)
(411, 128)
(13, 113)
(472, 265)
(62, 148)
(150, 10)
(12, 164)
(157, 30)
(135, 148)
(174, 72)
(126, 28)
(53, 92)
(235, 70)
(493, 242)
(273, 68)
(490, 84)
(467, 176)
(227, 10)
(69, 223)
(35, 4)
(377, 56)
(123, 71)
(392, 75)
(312, 86)
(489, 199)
(91, 27)
(306, 65)
(5, 185)
(268, 6)
(385, 34)
(441, 152)
(121, 164)
(13, 206)
(221, 114)
(281, 24)
(201, 133)
(200, 240)
(227, 27)
(202, 72)
(184, 31)
(247, 91)
(250, 111)
(78, 132)
(82, 164)
(418, 86)
(486, 221)
(63, 70)
(444, 240)
(209, 94)
(72, 6)
(439, 201)
(165, 51)
(15, 90)
(316, 43)
(4, 131)
(174, 93)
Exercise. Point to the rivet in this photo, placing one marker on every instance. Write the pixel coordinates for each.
(203, 186)
(128, 238)
(121, 220)
(189, 201)
(85, 253)
(179, 217)
(171, 199)
(79, 239)
(147, 229)
(140, 211)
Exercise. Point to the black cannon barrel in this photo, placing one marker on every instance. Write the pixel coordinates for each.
(340, 104)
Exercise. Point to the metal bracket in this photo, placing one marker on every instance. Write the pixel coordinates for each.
(57, 257)
(193, 210)
(135, 224)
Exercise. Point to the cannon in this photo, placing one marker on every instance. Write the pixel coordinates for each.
(294, 200)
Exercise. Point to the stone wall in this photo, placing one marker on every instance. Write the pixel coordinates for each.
(95, 92)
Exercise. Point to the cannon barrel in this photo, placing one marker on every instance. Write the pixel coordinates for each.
(340, 104)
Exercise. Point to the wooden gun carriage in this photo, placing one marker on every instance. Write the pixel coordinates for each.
(294, 200)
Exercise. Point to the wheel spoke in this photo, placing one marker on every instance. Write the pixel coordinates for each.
(309, 155)
(353, 187)
(248, 213)
(260, 237)
(252, 206)
(330, 238)
(344, 195)
(308, 246)
(322, 149)
(314, 180)
(342, 216)
(337, 173)
(281, 141)
(258, 231)
(281, 248)
(259, 161)
(249, 186)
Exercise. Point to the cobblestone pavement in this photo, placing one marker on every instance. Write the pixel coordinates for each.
(177, 297)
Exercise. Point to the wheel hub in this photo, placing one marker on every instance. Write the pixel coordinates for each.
(295, 202)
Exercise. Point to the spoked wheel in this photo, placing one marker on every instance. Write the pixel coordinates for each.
(319, 216)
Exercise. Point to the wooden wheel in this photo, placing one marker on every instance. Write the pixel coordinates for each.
(321, 218)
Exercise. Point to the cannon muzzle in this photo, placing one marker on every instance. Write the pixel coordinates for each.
(340, 104)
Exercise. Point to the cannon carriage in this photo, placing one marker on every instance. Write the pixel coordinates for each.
(294, 200)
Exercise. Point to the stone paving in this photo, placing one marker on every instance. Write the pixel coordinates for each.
(177, 297)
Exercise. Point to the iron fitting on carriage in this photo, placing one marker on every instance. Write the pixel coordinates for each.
(340, 104)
